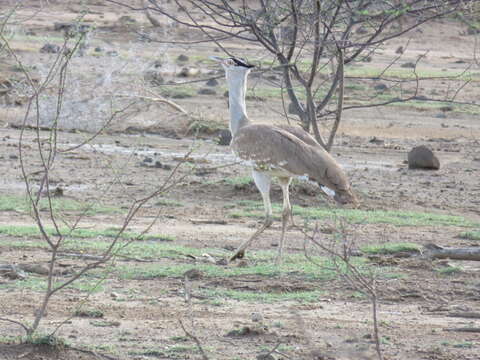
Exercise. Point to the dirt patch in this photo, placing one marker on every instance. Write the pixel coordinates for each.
(41, 352)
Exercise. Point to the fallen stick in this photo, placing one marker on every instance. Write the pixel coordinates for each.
(207, 221)
(466, 315)
(464, 329)
(439, 252)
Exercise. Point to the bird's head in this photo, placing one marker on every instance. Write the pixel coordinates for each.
(342, 197)
(233, 65)
(345, 197)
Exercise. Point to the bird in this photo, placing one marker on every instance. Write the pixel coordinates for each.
(277, 151)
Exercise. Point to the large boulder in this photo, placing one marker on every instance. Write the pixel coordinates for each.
(421, 157)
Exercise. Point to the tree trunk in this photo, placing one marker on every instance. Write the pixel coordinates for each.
(438, 252)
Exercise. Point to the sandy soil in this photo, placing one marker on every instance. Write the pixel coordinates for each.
(141, 316)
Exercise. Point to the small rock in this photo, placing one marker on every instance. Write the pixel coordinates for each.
(224, 137)
(58, 26)
(380, 87)
(421, 97)
(256, 317)
(212, 82)
(153, 77)
(222, 262)
(189, 72)
(58, 192)
(272, 77)
(376, 141)
(148, 160)
(112, 53)
(265, 356)
(207, 91)
(446, 108)
(50, 49)
(472, 30)
(399, 50)
(182, 58)
(12, 272)
(98, 49)
(166, 166)
(126, 19)
(421, 157)
(361, 30)
(409, 65)
(157, 64)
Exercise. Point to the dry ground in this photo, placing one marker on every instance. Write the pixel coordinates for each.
(131, 308)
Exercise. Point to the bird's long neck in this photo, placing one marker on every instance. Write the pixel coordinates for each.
(237, 87)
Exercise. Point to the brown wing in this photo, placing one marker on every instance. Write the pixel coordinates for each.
(301, 134)
(271, 147)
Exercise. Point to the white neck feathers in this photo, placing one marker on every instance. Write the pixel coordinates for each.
(237, 87)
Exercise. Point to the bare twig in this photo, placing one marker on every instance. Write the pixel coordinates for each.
(195, 339)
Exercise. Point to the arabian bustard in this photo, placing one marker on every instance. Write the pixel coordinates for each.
(277, 151)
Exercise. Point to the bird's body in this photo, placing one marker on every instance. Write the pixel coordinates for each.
(289, 152)
(281, 151)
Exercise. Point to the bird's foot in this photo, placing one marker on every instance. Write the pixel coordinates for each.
(239, 254)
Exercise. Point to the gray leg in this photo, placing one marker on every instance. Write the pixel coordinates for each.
(286, 215)
(263, 182)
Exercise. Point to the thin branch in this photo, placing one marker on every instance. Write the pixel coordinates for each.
(195, 339)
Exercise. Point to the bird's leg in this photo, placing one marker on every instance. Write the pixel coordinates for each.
(286, 215)
(263, 182)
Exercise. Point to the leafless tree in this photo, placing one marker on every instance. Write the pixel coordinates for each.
(310, 42)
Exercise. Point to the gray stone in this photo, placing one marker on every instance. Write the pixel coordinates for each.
(153, 77)
(207, 91)
(224, 137)
(421, 157)
(182, 58)
(380, 87)
(212, 82)
(409, 65)
(50, 49)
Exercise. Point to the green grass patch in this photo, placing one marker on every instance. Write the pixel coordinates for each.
(449, 270)
(42, 339)
(391, 248)
(356, 216)
(294, 265)
(178, 91)
(239, 181)
(22, 205)
(470, 235)
(33, 231)
(86, 284)
(142, 250)
(265, 297)
(89, 313)
(169, 202)
(407, 73)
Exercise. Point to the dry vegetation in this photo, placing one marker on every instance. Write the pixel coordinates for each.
(168, 291)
